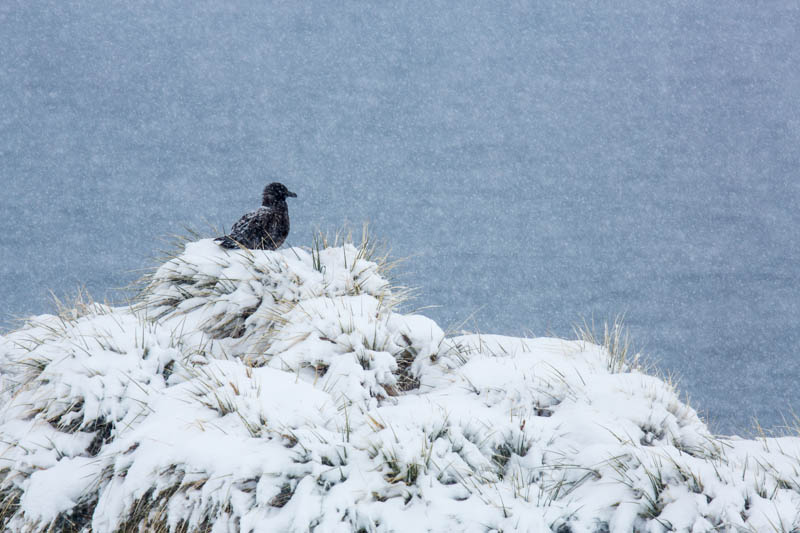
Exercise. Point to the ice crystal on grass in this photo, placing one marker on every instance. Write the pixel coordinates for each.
(284, 390)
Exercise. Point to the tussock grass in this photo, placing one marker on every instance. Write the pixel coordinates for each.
(615, 339)
(177, 286)
(80, 305)
(389, 410)
(369, 249)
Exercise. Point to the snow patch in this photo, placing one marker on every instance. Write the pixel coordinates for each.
(263, 391)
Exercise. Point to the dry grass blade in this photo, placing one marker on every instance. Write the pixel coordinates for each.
(616, 341)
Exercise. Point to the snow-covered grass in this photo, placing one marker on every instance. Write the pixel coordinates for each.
(285, 391)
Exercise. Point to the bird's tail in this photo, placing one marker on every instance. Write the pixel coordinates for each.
(226, 242)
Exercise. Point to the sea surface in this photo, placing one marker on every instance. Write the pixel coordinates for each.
(535, 162)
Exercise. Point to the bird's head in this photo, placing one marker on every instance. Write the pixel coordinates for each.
(276, 192)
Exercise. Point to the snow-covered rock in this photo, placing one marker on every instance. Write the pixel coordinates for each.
(259, 391)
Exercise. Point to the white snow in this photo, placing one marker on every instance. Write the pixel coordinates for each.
(283, 391)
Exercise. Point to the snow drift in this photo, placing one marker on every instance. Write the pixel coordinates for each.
(261, 391)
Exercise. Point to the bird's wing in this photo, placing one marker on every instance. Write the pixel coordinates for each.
(255, 229)
(240, 230)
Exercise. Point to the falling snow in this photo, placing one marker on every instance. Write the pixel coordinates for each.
(540, 161)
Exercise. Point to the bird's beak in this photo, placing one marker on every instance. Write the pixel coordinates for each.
(291, 195)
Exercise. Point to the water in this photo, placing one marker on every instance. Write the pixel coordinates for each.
(538, 162)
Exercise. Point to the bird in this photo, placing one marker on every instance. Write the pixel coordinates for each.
(265, 228)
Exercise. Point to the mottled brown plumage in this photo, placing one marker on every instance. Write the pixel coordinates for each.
(265, 228)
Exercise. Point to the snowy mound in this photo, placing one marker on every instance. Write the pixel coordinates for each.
(282, 391)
